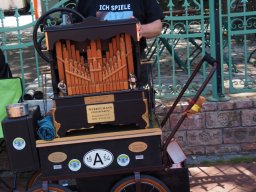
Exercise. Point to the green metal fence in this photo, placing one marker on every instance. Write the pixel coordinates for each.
(225, 29)
(16, 40)
(191, 29)
(240, 26)
(184, 40)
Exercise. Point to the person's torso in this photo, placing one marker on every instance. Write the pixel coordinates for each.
(113, 9)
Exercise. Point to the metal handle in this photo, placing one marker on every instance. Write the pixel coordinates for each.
(213, 63)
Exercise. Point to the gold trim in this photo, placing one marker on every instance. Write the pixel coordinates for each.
(46, 41)
(145, 116)
(100, 137)
(55, 123)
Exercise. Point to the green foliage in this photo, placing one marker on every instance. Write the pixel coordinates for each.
(235, 160)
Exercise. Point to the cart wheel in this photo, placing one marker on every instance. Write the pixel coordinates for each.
(51, 18)
(51, 188)
(148, 184)
(34, 179)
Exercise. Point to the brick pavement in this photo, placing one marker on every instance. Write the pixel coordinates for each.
(224, 178)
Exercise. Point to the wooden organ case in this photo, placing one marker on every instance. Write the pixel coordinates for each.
(94, 65)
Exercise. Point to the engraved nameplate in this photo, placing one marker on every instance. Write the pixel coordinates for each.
(100, 113)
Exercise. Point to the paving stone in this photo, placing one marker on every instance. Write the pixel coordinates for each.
(239, 135)
(197, 121)
(218, 149)
(204, 137)
(222, 106)
(209, 106)
(249, 117)
(222, 119)
(248, 147)
(246, 103)
(190, 150)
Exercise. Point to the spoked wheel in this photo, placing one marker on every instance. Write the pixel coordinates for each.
(34, 179)
(51, 188)
(148, 184)
(57, 16)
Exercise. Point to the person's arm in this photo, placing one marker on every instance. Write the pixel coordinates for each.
(150, 30)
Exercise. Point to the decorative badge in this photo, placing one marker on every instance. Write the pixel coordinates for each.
(74, 165)
(98, 158)
(138, 147)
(57, 157)
(123, 160)
(19, 143)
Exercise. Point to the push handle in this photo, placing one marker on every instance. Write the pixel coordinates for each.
(209, 59)
(213, 63)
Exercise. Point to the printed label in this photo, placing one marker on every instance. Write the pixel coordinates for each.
(57, 167)
(123, 160)
(98, 158)
(138, 157)
(19, 143)
(74, 165)
(100, 113)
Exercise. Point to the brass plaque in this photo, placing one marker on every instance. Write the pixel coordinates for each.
(99, 99)
(100, 113)
(138, 147)
(57, 157)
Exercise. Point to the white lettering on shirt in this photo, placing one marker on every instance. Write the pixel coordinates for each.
(104, 8)
(122, 7)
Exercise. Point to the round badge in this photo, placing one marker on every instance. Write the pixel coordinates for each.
(74, 165)
(98, 158)
(19, 143)
(123, 160)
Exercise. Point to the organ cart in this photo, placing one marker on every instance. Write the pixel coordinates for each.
(106, 135)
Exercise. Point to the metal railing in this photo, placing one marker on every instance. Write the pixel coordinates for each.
(226, 29)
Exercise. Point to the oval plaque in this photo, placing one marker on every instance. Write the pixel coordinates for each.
(57, 157)
(138, 147)
(98, 158)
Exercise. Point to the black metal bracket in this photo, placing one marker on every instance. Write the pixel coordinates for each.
(14, 184)
(45, 186)
(137, 181)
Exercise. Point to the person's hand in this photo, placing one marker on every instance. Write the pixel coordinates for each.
(139, 29)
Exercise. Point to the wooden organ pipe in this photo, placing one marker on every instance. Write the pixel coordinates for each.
(105, 70)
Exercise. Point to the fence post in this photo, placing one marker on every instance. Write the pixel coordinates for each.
(215, 31)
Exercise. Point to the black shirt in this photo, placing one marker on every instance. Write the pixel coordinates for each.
(146, 11)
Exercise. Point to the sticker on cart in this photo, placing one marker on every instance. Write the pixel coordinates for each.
(139, 157)
(98, 158)
(138, 147)
(74, 165)
(57, 167)
(123, 160)
(57, 157)
(19, 143)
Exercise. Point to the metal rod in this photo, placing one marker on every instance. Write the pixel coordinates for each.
(218, 49)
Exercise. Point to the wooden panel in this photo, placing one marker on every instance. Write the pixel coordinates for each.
(99, 137)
